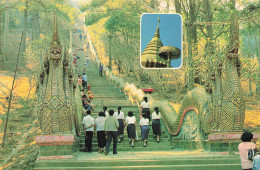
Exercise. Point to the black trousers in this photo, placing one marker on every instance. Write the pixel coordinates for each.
(88, 140)
(110, 135)
(100, 73)
(101, 136)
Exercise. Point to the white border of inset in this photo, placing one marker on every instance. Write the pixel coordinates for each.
(181, 40)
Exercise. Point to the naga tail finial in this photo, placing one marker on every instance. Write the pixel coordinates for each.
(55, 29)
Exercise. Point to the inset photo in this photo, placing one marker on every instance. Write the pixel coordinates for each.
(161, 41)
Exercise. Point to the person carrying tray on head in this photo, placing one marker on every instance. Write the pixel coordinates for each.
(145, 108)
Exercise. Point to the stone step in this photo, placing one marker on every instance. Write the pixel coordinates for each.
(131, 149)
(195, 164)
(82, 136)
(99, 84)
(111, 102)
(124, 109)
(112, 105)
(127, 146)
(125, 140)
(175, 167)
(109, 96)
(125, 143)
(104, 89)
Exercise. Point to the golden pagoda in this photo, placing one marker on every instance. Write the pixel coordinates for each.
(154, 56)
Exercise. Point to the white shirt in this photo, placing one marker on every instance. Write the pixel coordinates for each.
(130, 120)
(120, 116)
(144, 121)
(145, 105)
(100, 121)
(87, 121)
(155, 116)
(106, 113)
(256, 162)
(84, 77)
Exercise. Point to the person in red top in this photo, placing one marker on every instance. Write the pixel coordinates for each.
(243, 150)
(80, 82)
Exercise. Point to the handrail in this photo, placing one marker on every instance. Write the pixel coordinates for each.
(185, 111)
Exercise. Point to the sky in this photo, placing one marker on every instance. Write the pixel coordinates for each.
(170, 28)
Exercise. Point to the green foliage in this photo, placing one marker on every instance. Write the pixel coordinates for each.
(93, 4)
(124, 23)
(97, 3)
(94, 17)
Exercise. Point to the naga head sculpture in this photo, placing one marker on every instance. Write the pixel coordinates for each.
(55, 51)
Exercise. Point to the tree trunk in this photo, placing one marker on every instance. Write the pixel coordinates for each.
(25, 24)
(232, 25)
(209, 44)
(35, 25)
(168, 6)
(190, 61)
(37, 29)
(6, 32)
(177, 6)
(1, 52)
(193, 28)
(250, 85)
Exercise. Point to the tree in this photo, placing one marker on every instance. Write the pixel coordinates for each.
(25, 24)
(190, 9)
(177, 6)
(3, 9)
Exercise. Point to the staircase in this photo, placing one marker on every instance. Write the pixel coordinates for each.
(153, 156)
(110, 96)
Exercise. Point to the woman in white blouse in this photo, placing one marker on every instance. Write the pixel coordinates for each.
(101, 136)
(156, 125)
(105, 111)
(120, 117)
(145, 108)
(130, 121)
(144, 125)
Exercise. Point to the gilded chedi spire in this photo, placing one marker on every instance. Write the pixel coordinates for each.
(157, 33)
(151, 52)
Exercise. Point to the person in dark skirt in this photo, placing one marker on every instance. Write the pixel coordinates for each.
(120, 117)
(144, 125)
(130, 121)
(156, 125)
(145, 108)
(101, 136)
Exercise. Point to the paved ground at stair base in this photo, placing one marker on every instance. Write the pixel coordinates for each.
(191, 160)
(147, 155)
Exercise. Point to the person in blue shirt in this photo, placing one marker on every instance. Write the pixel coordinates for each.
(85, 81)
(87, 61)
(80, 36)
(100, 70)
